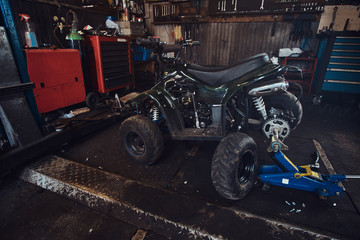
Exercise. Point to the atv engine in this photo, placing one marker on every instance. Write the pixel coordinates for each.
(200, 118)
(195, 113)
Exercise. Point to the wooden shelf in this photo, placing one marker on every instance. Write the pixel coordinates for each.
(227, 18)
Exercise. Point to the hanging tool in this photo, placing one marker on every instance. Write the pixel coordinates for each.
(333, 19)
(223, 6)
(274, 25)
(236, 2)
(59, 24)
(346, 24)
(302, 27)
(262, 5)
(198, 7)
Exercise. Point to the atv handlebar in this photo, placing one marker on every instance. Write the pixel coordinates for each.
(162, 47)
(148, 43)
(171, 48)
(195, 43)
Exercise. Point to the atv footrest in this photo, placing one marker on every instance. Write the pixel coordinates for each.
(208, 134)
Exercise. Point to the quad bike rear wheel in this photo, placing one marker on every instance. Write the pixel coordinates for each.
(285, 106)
(234, 166)
(141, 139)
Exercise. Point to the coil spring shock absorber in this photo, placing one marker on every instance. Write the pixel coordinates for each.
(154, 114)
(260, 106)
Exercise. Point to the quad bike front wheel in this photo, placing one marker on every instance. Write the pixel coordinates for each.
(234, 166)
(141, 139)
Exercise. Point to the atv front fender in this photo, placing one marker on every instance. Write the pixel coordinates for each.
(166, 106)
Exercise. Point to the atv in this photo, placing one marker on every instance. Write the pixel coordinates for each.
(194, 102)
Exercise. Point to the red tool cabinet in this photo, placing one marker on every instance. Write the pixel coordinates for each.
(108, 63)
(58, 77)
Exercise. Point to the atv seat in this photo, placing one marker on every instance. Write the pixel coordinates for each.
(216, 76)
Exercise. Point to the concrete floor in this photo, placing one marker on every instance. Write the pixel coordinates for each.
(179, 189)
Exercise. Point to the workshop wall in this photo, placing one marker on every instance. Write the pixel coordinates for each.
(224, 44)
(229, 37)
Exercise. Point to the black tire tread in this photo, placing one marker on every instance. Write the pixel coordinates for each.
(150, 133)
(224, 164)
(287, 99)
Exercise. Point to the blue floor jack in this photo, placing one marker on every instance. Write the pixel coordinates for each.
(287, 174)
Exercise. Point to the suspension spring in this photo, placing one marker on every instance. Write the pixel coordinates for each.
(260, 106)
(155, 114)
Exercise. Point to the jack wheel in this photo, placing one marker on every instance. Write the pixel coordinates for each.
(91, 99)
(266, 187)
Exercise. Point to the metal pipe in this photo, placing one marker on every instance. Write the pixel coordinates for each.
(269, 89)
(9, 130)
(197, 123)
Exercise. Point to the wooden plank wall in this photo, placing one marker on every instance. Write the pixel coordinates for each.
(224, 44)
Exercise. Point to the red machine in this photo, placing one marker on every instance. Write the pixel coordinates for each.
(108, 63)
(58, 77)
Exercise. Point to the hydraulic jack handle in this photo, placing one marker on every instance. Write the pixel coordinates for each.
(352, 176)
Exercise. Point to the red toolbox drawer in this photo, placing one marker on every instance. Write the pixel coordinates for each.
(108, 62)
(58, 77)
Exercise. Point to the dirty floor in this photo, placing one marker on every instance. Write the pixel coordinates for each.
(182, 178)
